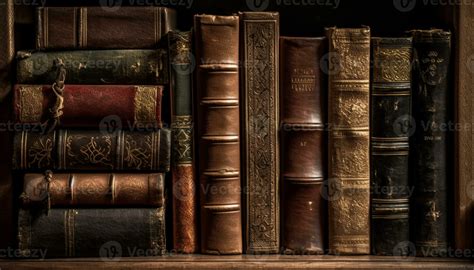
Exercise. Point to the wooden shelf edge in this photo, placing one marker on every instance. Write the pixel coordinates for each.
(244, 261)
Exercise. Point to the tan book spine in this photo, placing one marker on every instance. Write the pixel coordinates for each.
(7, 46)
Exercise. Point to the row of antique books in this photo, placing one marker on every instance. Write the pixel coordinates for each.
(300, 145)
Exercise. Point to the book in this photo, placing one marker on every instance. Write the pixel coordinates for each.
(390, 131)
(56, 190)
(102, 27)
(432, 57)
(184, 199)
(260, 33)
(304, 150)
(218, 123)
(138, 67)
(108, 233)
(92, 150)
(90, 105)
(7, 45)
(348, 140)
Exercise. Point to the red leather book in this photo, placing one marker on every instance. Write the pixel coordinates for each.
(91, 105)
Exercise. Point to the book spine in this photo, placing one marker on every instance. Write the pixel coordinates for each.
(92, 232)
(348, 141)
(303, 118)
(432, 52)
(391, 116)
(138, 67)
(137, 106)
(185, 235)
(100, 28)
(92, 150)
(7, 45)
(217, 56)
(260, 147)
(87, 189)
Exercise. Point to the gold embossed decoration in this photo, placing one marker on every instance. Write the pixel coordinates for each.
(31, 103)
(145, 105)
(392, 64)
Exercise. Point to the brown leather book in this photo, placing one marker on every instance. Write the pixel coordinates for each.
(88, 189)
(7, 46)
(260, 40)
(303, 116)
(217, 55)
(102, 27)
(348, 140)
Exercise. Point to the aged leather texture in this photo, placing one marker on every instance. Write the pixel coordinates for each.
(218, 135)
(185, 200)
(390, 131)
(432, 52)
(90, 105)
(348, 140)
(7, 45)
(260, 33)
(93, 150)
(138, 67)
(102, 27)
(93, 189)
(106, 233)
(304, 150)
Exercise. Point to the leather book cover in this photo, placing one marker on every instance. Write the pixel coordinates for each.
(106, 233)
(89, 105)
(348, 140)
(184, 199)
(72, 190)
(102, 27)
(260, 33)
(137, 67)
(92, 150)
(304, 150)
(432, 53)
(390, 131)
(7, 46)
(217, 56)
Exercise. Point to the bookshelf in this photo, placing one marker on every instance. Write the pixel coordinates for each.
(386, 18)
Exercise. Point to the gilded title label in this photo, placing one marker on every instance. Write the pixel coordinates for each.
(31, 103)
(303, 80)
(145, 105)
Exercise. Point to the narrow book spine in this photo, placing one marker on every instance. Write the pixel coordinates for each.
(217, 56)
(185, 235)
(102, 27)
(106, 233)
(432, 52)
(303, 118)
(92, 150)
(390, 131)
(87, 189)
(138, 67)
(7, 45)
(260, 148)
(348, 142)
(135, 106)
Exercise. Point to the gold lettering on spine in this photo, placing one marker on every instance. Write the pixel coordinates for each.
(31, 103)
(145, 105)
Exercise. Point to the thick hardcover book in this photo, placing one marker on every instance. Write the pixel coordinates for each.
(108, 233)
(390, 131)
(105, 27)
(184, 199)
(7, 46)
(432, 51)
(95, 67)
(93, 189)
(260, 33)
(217, 56)
(90, 105)
(92, 150)
(303, 118)
(348, 140)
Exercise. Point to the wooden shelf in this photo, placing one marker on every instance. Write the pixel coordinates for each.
(244, 261)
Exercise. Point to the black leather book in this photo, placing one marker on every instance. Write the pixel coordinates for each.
(432, 50)
(390, 130)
